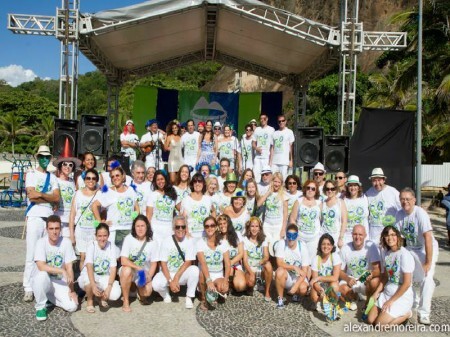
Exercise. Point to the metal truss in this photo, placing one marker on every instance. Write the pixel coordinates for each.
(32, 24)
(211, 24)
(384, 40)
(89, 48)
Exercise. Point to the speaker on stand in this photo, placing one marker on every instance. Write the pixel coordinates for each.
(309, 143)
(65, 128)
(93, 134)
(336, 153)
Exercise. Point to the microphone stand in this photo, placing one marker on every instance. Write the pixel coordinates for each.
(157, 151)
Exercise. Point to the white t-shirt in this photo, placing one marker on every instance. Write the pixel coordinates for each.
(356, 262)
(181, 193)
(247, 152)
(168, 252)
(189, 142)
(37, 179)
(67, 191)
(331, 219)
(163, 208)
(264, 139)
(227, 147)
(274, 209)
(413, 226)
(298, 256)
(397, 263)
(101, 259)
(151, 157)
(119, 207)
(325, 268)
(292, 198)
(262, 188)
(255, 253)
(213, 258)
(282, 141)
(357, 213)
(131, 247)
(129, 137)
(233, 251)
(221, 201)
(383, 205)
(308, 221)
(196, 213)
(84, 217)
(54, 256)
(240, 221)
(143, 191)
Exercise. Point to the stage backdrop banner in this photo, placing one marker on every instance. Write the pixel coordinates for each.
(236, 109)
(384, 138)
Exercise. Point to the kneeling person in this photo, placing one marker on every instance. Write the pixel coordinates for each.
(293, 266)
(177, 253)
(53, 279)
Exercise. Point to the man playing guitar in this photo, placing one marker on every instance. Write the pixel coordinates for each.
(151, 145)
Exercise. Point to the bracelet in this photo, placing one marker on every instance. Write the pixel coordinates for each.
(208, 280)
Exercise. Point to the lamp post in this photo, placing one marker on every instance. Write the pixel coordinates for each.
(419, 107)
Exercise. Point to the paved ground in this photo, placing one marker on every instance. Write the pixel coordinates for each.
(239, 316)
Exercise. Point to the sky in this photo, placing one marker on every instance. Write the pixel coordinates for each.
(25, 57)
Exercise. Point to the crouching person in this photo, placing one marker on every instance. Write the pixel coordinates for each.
(53, 279)
(177, 254)
(97, 277)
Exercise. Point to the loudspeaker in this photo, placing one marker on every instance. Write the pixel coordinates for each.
(125, 163)
(309, 146)
(65, 128)
(336, 153)
(93, 134)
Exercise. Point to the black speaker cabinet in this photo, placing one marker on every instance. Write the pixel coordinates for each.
(65, 129)
(93, 134)
(309, 146)
(336, 153)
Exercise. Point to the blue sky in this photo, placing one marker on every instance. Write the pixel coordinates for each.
(23, 57)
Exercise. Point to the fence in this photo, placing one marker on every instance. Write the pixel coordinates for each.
(436, 175)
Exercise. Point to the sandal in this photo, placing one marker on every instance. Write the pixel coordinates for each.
(90, 309)
(203, 306)
(104, 304)
(126, 308)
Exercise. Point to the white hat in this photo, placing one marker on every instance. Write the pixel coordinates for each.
(319, 167)
(377, 173)
(353, 180)
(43, 150)
(217, 124)
(129, 121)
(253, 121)
(266, 169)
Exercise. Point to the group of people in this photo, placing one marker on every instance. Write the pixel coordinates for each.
(239, 229)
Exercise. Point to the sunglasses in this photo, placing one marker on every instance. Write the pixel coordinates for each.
(327, 189)
(310, 188)
(197, 181)
(88, 178)
(292, 183)
(207, 226)
(318, 173)
(67, 164)
(180, 227)
(281, 121)
(248, 130)
(216, 128)
(340, 178)
(116, 176)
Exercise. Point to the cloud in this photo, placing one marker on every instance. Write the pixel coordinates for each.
(15, 75)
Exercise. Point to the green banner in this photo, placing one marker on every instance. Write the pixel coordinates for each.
(249, 108)
(144, 107)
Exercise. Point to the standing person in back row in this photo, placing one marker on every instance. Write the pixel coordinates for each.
(42, 190)
(281, 155)
(262, 143)
(384, 202)
(190, 145)
(152, 144)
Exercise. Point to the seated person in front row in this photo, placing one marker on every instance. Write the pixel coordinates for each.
(293, 266)
(53, 278)
(360, 271)
(176, 254)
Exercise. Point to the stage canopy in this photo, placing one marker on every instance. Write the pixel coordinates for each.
(248, 35)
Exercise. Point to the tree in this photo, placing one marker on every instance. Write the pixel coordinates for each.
(11, 127)
(44, 135)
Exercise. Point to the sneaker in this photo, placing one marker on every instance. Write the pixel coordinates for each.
(353, 306)
(49, 304)
(189, 304)
(167, 298)
(295, 298)
(319, 308)
(280, 304)
(424, 320)
(28, 296)
(41, 315)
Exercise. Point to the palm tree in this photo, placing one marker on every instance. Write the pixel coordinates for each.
(44, 135)
(11, 127)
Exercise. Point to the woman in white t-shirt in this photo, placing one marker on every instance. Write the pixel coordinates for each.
(292, 185)
(98, 274)
(334, 213)
(357, 207)
(237, 211)
(251, 192)
(139, 259)
(256, 256)
(88, 162)
(214, 261)
(182, 184)
(325, 269)
(228, 234)
(161, 206)
(129, 141)
(394, 293)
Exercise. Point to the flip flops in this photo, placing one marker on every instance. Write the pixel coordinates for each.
(90, 309)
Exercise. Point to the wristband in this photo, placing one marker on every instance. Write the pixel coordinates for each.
(208, 280)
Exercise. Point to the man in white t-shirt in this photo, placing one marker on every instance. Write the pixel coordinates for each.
(152, 143)
(190, 145)
(262, 143)
(143, 188)
(384, 202)
(281, 153)
(177, 268)
(293, 266)
(266, 179)
(415, 225)
(53, 278)
(42, 191)
(319, 176)
(359, 258)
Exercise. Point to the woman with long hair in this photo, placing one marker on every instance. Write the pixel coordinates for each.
(306, 214)
(88, 161)
(161, 206)
(357, 207)
(207, 153)
(223, 198)
(129, 141)
(182, 184)
(234, 240)
(214, 261)
(334, 213)
(394, 294)
(139, 259)
(251, 192)
(227, 147)
(325, 269)
(81, 218)
(196, 207)
(293, 191)
(237, 211)
(173, 144)
(256, 256)
(245, 177)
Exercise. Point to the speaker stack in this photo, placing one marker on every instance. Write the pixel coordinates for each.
(336, 153)
(309, 146)
(93, 134)
(65, 128)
